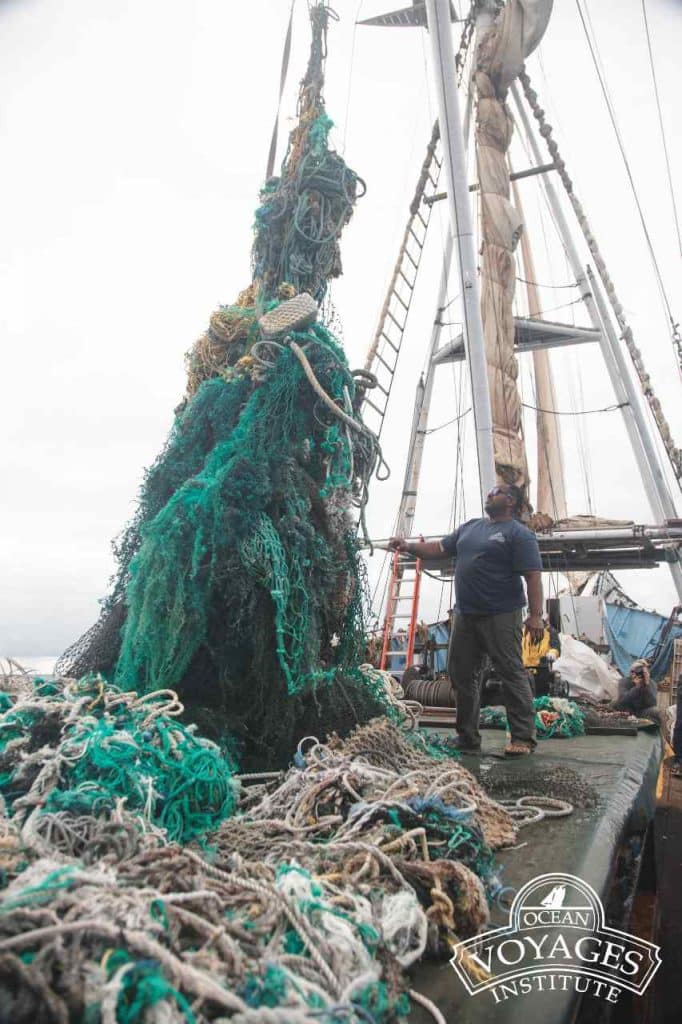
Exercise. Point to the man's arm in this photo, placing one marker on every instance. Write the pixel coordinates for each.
(534, 622)
(419, 548)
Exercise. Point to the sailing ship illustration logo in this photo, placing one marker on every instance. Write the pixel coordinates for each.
(555, 897)
(557, 940)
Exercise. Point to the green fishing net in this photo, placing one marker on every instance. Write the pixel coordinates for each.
(87, 749)
(554, 717)
(239, 583)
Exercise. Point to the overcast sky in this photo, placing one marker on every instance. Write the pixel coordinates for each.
(134, 140)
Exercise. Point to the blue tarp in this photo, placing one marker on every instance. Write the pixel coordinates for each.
(634, 633)
(438, 632)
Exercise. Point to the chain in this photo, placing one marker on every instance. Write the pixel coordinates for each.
(673, 452)
(465, 40)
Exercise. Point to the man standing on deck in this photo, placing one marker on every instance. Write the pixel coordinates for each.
(491, 557)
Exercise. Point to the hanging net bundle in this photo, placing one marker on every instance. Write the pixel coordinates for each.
(239, 582)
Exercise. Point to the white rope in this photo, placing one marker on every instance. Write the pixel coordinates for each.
(422, 1001)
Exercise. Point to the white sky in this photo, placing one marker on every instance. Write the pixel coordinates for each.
(134, 140)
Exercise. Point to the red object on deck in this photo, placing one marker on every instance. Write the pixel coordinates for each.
(403, 574)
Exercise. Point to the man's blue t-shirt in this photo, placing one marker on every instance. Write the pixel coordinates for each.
(490, 559)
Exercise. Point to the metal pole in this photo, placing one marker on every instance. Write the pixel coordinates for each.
(422, 402)
(449, 119)
(422, 406)
(646, 456)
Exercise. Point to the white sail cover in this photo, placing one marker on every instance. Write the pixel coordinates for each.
(502, 49)
(518, 30)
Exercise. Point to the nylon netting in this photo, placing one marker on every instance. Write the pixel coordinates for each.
(239, 581)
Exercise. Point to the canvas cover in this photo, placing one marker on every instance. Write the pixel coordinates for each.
(502, 49)
(586, 673)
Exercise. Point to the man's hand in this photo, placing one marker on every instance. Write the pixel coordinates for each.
(642, 677)
(397, 544)
(535, 627)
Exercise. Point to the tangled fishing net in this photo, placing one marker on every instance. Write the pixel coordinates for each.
(239, 581)
(554, 717)
(83, 765)
(145, 882)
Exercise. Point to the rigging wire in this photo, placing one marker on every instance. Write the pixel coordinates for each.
(286, 53)
(661, 126)
(578, 412)
(349, 88)
(448, 423)
(591, 38)
(524, 280)
(554, 309)
(581, 436)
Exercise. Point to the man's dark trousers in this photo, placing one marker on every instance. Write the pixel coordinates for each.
(498, 636)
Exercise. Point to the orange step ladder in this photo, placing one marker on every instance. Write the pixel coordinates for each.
(404, 587)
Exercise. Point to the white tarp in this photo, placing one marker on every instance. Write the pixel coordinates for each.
(586, 673)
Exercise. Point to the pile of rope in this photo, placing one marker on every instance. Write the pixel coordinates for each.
(555, 717)
(137, 890)
(240, 583)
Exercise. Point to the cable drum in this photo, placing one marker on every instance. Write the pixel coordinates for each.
(433, 693)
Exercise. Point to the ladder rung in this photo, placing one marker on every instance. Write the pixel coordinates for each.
(401, 301)
(401, 616)
(407, 597)
(422, 220)
(395, 654)
(396, 348)
(381, 412)
(383, 389)
(391, 369)
(401, 327)
(419, 242)
(410, 284)
(414, 262)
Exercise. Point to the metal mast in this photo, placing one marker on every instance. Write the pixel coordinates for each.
(454, 161)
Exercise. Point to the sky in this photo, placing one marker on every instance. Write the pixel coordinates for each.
(134, 139)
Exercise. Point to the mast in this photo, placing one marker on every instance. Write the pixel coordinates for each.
(452, 139)
(551, 487)
(422, 403)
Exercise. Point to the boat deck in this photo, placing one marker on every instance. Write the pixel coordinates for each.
(602, 845)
